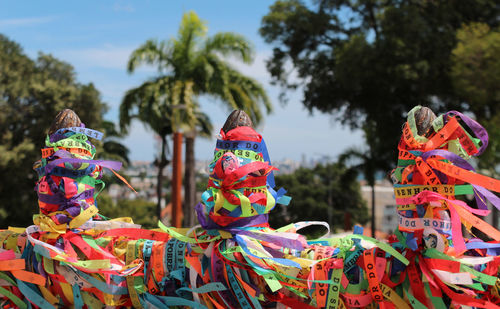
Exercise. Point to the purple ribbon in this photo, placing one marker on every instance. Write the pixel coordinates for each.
(485, 193)
(62, 154)
(456, 159)
(491, 248)
(209, 224)
(60, 199)
(115, 165)
(57, 136)
(269, 237)
(462, 163)
(217, 268)
(64, 218)
(478, 130)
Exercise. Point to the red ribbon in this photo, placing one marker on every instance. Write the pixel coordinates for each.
(232, 181)
(241, 134)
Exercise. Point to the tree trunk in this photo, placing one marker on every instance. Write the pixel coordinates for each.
(159, 181)
(177, 181)
(373, 210)
(189, 182)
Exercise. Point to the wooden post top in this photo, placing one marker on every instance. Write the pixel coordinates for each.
(424, 118)
(66, 118)
(237, 118)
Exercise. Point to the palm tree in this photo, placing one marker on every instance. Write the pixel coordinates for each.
(192, 64)
(155, 103)
(147, 104)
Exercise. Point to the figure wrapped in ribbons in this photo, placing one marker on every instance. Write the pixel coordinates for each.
(73, 257)
(432, 173)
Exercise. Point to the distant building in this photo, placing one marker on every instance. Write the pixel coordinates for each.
(286, 166)
(143, 179)
(385, 205)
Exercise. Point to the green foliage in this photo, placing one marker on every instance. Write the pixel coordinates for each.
(324, 193)
(32, 92)
(365, 160)
(371, 61)
(476, 76)
(139, 210)
(201, 182)
(476, 67)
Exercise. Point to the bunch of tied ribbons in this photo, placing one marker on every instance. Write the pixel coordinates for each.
(72, 256)
(432, 173)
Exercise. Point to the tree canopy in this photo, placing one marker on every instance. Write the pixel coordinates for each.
(370, 60)
(476, 78)
(139, 210)
(323, 193)
(32, 92)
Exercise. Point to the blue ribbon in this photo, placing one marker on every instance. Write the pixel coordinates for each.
(241, 145)
(286, 262)
(77, 297)
(28, 290)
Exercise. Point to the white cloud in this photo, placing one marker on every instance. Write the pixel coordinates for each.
(116, 57)
(123, 7)
(27, 21)
(257, 69)
(108, 56)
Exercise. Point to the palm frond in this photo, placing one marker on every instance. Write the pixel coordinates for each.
(230, 44)
(151, 52)
(149, 103)
(204, 126)
(115, 150)
(191, 26)
(251, 95)
(191, 32)
(127, 105)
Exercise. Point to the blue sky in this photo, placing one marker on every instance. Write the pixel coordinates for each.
(97, 37)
